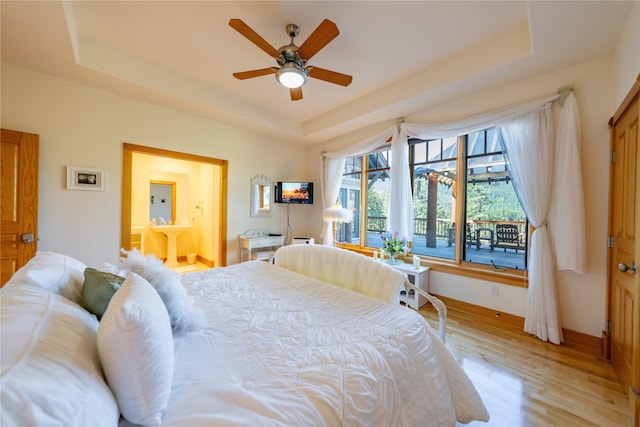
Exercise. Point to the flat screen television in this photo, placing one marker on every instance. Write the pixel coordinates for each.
(294, 192)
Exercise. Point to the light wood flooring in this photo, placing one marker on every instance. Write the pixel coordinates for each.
(526, 382)
(184, 267)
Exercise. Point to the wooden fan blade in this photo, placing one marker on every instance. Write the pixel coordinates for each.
(330, 76)
(321, 36)
(253, 73)
(255, 38)
(296, 93)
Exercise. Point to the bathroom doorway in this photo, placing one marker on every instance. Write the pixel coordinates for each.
(200, 199)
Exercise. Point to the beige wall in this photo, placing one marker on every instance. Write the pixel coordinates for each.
(82, 126)
(627, 56)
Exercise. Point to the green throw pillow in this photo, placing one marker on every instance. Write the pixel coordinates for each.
(99, 287)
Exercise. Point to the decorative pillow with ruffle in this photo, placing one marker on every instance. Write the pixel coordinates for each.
(184, 315)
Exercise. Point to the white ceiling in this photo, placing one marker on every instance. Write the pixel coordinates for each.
(403, 56)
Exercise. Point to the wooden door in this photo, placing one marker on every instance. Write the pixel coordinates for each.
(18, 200)
(624, 223)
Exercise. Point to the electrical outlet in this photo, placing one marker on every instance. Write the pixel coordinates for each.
(494, 290)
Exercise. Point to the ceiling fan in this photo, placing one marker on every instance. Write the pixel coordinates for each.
(293, 70)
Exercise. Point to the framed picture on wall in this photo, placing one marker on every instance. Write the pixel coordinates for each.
(80, 178)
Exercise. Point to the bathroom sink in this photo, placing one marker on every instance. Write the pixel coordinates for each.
(172, 232)
(166, 229)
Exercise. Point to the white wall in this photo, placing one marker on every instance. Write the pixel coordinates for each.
(581, 297)
(627, 56)
(82, 126)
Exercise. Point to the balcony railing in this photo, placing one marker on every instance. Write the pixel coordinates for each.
(378, 224)
(444, 227)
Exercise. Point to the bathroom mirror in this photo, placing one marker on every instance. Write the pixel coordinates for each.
(260, 196)
(162, 203)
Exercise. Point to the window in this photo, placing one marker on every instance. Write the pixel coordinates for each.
(374, 200)
(349, 198)
(458, 180)
(434, 165)
(496, 226)
(378, 192)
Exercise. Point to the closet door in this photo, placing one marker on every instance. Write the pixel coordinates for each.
(624, 224)
(18, 201)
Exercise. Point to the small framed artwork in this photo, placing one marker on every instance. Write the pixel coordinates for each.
(79, 178)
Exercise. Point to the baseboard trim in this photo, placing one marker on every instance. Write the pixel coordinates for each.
(606, 346)
(209, 263)
(634, 407)
(588, 343)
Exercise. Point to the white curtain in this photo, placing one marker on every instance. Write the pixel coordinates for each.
(566, 216)
(369, 145)
(401, 198)
(332, 166)
(541, 316)
(528, 141)
(556, 200)
(567, 208)
(332, 169)
(470, 124)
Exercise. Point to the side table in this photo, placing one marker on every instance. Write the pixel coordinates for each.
(420, 278)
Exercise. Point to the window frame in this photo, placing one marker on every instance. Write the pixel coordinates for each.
(457, 265)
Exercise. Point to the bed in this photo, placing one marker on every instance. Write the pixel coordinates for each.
(318, 339)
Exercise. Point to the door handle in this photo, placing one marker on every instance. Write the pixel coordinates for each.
(27, 238)
(624, 267)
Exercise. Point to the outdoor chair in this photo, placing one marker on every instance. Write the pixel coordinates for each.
(478, 236)
(508, 237)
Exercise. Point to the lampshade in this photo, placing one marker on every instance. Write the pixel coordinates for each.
(338, 214)
(291, 76)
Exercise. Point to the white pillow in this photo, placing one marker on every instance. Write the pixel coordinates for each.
(50, 372)
(55, 272)
(135, 344)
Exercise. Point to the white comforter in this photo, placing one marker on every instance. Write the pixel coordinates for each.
(281, 349)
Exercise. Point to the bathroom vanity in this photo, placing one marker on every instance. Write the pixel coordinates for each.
(172, 232)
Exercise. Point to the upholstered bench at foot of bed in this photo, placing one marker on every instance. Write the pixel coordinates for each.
(343, 268)
(353, 271)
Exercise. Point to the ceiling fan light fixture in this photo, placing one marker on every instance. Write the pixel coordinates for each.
(291, 76)
(292, 71)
